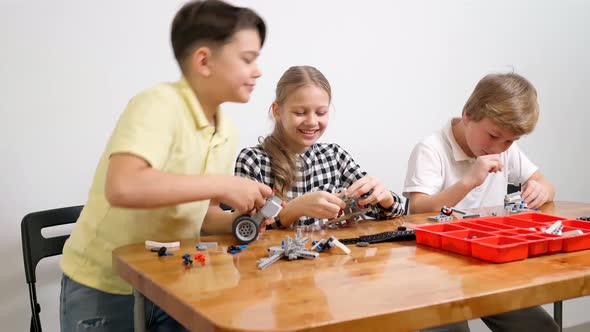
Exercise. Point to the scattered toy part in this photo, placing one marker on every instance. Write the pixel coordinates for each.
(290, 249)
(169, 245)
(162, 251)
(200, 258)
(233, 249)
(331, 242)
(401, 234)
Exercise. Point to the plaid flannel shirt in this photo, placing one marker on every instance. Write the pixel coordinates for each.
(322, 167)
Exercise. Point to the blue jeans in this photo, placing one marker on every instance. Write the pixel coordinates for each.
(84, 308)
(528, 319)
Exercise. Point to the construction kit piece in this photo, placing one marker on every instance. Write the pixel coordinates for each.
(245, 228)
(353, 211)
(440, 218)
(555, 228)
(186, 260)
(513, 203)
(236, 249)
(445, 215)
(162, 251)
(169, 245)
(331, 242)
(200, 258)
(401, 234)
(464, 215)
(290, 249)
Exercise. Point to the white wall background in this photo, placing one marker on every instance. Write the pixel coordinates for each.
(399, 70)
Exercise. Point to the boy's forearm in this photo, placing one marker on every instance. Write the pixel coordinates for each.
(451, 196)
(151, 188)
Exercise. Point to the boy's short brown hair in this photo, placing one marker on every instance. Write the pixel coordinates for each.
(210, 22)
(509, 100)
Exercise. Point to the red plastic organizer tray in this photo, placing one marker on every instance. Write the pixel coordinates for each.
(504, 238)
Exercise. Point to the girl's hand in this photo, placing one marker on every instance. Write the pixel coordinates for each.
(377, 192)
(319, 205)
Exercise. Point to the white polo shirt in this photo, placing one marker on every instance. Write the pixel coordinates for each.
(438, 162)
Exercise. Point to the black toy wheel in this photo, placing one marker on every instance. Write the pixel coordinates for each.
(245, 229)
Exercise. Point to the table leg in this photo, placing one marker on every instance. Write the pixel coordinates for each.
(557, 314)
(138, 311)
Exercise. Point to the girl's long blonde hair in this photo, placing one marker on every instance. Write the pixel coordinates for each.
(283, 162)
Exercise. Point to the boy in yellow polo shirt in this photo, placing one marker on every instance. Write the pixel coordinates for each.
(166, 166)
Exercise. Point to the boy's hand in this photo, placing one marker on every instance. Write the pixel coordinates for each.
(379, 194)
(319, 205)
(483, 165)
(242, 194)
(265, 222)
(534, 194)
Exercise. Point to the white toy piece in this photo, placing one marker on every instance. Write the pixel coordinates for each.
(168, 245)
(440, 218)
(555, 228)
(572, 233)
(331, 242)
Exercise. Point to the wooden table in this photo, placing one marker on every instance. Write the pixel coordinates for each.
(388, 286)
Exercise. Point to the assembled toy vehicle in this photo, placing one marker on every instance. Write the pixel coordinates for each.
(245, 227)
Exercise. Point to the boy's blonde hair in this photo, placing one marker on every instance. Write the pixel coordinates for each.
(509, 100)
(282, 161)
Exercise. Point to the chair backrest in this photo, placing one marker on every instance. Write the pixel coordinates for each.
(407, 206)
(37, 247)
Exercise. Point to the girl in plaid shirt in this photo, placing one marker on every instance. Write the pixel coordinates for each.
(306, 174)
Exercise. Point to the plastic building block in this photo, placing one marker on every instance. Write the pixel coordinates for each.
(353, 211)
(162, 251)
(440, 218)
(472, 215)
(513, 203)
(232, 249)
(207, 245)
(331, 242)
(290, 249)
(401, 234)
(572, 233)
(245, 227)
(200, 258)
(186, 260)
(446, 211)
(555, 228)
(154, 244)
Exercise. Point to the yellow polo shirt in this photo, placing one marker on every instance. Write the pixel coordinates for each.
(166, 126)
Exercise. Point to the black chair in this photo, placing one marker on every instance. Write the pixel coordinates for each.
(407, 206)
(37, 247)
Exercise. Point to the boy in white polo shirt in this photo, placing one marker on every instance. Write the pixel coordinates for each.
(469, 163)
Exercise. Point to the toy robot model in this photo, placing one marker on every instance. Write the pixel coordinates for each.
(245, 227)
(353, 210)
(513, 203)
